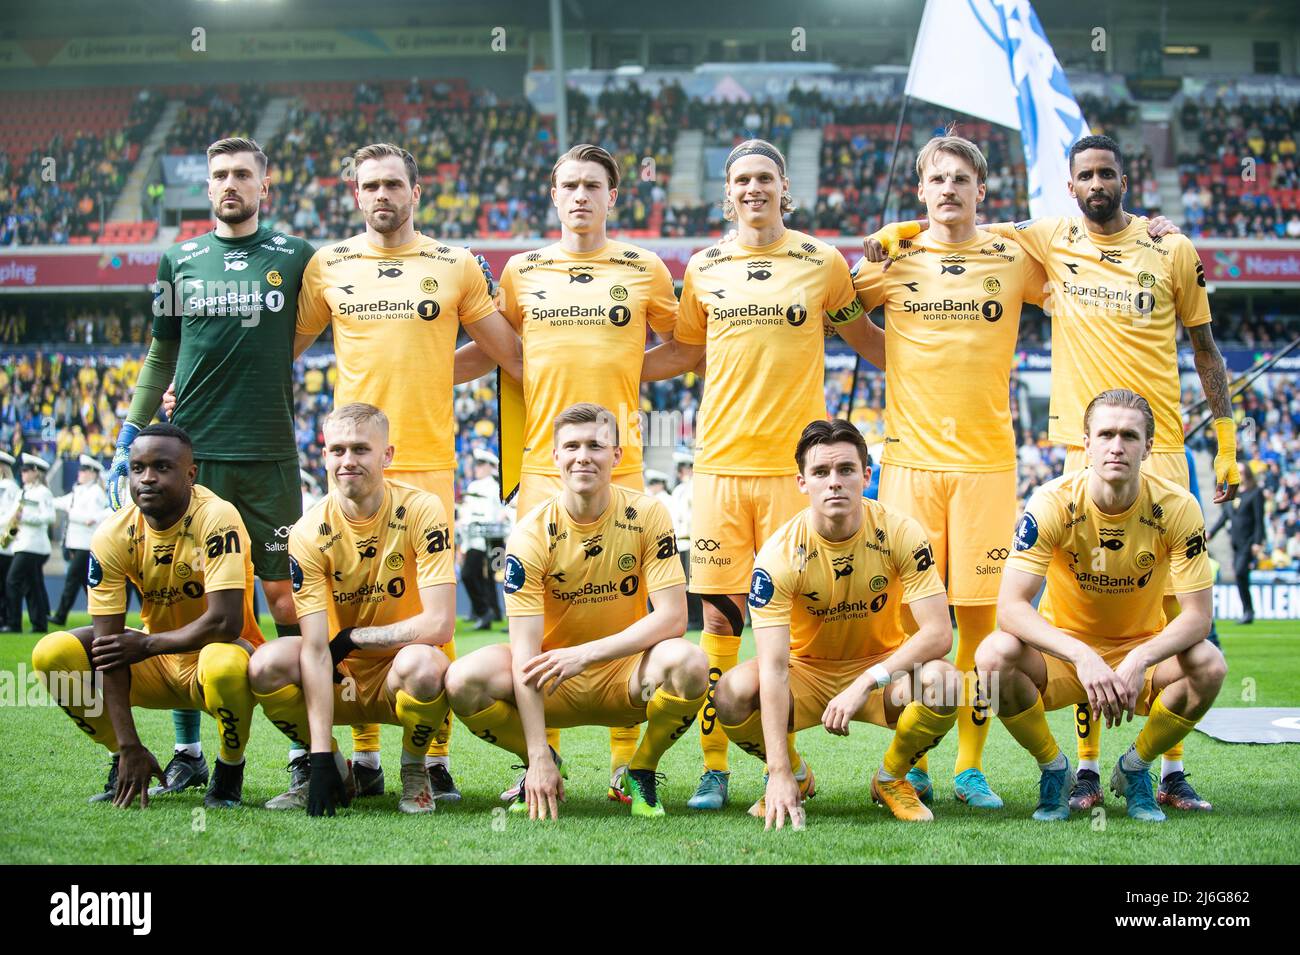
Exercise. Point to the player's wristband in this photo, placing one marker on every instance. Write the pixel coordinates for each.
(342, 645)
(880, 675)
(1226, 470)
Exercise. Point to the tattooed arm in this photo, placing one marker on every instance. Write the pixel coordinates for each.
(1214, 380)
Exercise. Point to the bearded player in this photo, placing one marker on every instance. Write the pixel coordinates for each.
(225, 304)
(825, 603)
(1120, 285)
(1108, 538)
(584, 296)
(583, 649)
(187, 552)
(396, 300)
(952, 301)
(374, 584)
(755, 308)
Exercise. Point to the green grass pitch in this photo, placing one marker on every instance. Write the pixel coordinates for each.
(50, 769)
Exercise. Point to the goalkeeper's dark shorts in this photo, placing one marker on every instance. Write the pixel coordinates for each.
(268, 496)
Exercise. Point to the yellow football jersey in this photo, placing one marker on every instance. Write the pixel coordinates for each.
(759, 314)
(396, 313)
(590, 580)
(582, 318)
(369, 574)
(952, 314)
(841, 599)
(205, 551)
(1115, 303)
(1106, 573)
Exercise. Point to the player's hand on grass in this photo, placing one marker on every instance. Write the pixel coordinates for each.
(554, 667)
(119, 649)
(1132, 672)
(1159, 225)
(543, 788)
(136, 766)
(1105, 690)
(169, 400)
(839, 711)
(781, 800)
(117, 470)
(325, 790)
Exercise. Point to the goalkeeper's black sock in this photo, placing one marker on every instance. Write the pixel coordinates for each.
(288, 630)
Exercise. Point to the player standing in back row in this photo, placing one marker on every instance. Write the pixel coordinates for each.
(397, 300)
(755, 306)
(225, 305)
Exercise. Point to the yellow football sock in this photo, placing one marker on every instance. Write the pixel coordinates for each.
(1172, 609)
(973, 625)
(1163, 729)
(365, 738)
(61, 662)
(622, 744)
(749, 737)
(420, 719)
(223, 677)
(286, 708)
(499, 724)
(441, 743)
(1087, 733)
(668, 718)
(1031, 731)
(723, 651)
(919, 730)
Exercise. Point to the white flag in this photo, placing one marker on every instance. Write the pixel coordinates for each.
(991, 59)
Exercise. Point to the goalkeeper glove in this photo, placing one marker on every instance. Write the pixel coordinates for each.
(117, 470)
(891, 236)
(325, 789)
(340, 647)
(1227, 474)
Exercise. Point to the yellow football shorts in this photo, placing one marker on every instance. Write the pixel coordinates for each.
(731, 518)
(599, 696)
(174, 681)
(364, 697)
(969, 517)
(1063, 686)
(814, 683)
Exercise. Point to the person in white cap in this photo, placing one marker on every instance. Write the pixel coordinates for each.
(30, 522)
(656, 485)
(87, 507)
(481, 530)
(9, 492)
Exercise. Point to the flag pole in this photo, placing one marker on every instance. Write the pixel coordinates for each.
(846, 400)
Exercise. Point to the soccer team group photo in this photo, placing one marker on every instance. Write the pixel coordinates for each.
(533, 447)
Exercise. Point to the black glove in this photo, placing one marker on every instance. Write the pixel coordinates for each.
(325, 790)
(340, 647)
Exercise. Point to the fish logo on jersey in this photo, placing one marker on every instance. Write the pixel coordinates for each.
(1110, 256)
(591, 547)
(843, 566)
(389, 268)
(952, 265)
(759, 269)
(235, 261)
(1111, 538)
(581, 274)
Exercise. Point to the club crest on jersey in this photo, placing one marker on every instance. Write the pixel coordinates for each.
(274, 278)
(514, 574)
(1026, 532)
(992, 286)
(760, 589)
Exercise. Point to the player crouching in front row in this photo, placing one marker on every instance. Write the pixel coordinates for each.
(583, 650)
(373, 583)
(825, 602)
(187, 552)
(1107, 538)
